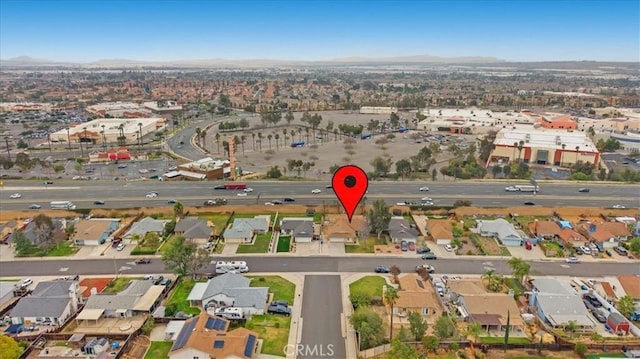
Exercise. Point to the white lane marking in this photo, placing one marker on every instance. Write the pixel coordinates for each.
(64, 269)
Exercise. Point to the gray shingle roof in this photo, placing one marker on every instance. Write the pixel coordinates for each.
(500, 227)
(126, 299)
(146, 225)
(219, 284)
(40, 307)
(237, 287)
(299, 227)
(52, 289)
(193, 227)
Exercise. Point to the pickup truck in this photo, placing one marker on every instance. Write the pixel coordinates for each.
(427, 267)
(279, 309)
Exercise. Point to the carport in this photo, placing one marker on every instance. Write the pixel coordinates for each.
(89, 315)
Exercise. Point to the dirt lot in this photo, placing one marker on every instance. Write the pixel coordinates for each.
(570, 213)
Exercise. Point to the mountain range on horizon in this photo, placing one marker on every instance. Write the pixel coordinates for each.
(30, 61)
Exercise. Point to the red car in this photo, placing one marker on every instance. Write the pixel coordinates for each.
(412, 246)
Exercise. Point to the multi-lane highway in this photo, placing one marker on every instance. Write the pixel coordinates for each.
(315, 264)
(132, 194)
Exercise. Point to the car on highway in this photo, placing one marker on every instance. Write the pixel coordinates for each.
(172, 201)
(618, 206)
(429, 256)
(426, 267)
(511, 189)
(279, 309)
(276, 202)
(242, 194)
(423, 250)
(426, 199)
(35, 206)
(584, 190)
(572, 260)
(288, 199)
(424, 189)
(248, 190)
(381, 269)
(15, 195)
(220, 186)
(269, 204)
(529, 203)
(316, 191)
(143, 261)
(152, 195)
(122, 166)
(98, 203)
(328, 186)
(47, 182)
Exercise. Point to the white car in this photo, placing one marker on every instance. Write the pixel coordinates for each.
(316, 191)
(616, 206)
(248, 190)
(511, 189)
(15, 195)
(269, 204)
(426, 199)
(424, 189)
(27, 282)
(152, 195)
(242, 194)
(448, 247)
(120, 247)
(572, 260)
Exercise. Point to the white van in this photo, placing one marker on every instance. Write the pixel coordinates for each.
(232, 313)
(223, 267)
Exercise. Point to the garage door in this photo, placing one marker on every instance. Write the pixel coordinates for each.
(336, 240)
(443, 241)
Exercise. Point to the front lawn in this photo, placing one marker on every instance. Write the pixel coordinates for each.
(500, 340)
(284, 243)
(159, 350)
(273, 330)
(260, 244)
(366, 245)
(61, 250)
(118, 284)
(179, 298)
(370, 285)
(281, 288)
(219, 221)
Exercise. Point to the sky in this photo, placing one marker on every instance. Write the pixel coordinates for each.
(146, 30)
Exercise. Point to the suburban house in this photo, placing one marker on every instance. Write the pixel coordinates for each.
(194, 228)
(562, 231)
(557, 303)
(605, 290)
(417, 295)
(631, 286)
(400, 230)
(58, 233)
(500, 229)
(140, 296)
(144, 226)
(95, 231)
(606, 233)
(299, 228)
(52, 303)
(91, 286)
(7, 229)
(6, 293)
(244, 229)
(338, 229)
(440, 231)
(206, 336)
(230, 290)
(490, 310)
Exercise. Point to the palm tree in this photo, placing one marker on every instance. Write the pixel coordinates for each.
(474, 330)
(307, 130)
(253, 137)
(260, 140)
(335, 134)
(520, 146)
(515, 147)
(577, 151)
(391, 298)
(562, 153)
(520, 268)
(178, 209)
(293, 135)
(104, 138)
(571, 327)
(198, 130)
(269, 137)
(243, 139)
(494, 280)
(203, 136)
(218, 140)
(277, 137)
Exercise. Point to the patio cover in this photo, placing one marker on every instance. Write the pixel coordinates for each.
(90, 314)
(145, 302)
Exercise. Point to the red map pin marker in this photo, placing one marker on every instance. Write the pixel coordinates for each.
(350, 184)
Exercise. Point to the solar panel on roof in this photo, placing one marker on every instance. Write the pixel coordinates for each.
(218, 344)
(184, 334)
(215, 323)
(251, 342)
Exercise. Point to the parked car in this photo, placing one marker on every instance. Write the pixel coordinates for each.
(621, 251)
(382, 269)
(143, 261)
(572, 260)
(165, 282)
(279, 309)
(593, 300)
(588, 304)
(208, 245)
(159, 279)
(423, 250)
(429, 256)
(280, 302)
(412, 246)
(120, 246)
(599, 317)
(116, 242)
(448, 247)
(27, 282)
(404, 246)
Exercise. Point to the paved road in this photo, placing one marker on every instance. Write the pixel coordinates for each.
(321, 321)
(132, 194)
(315, 264)
(180, 142)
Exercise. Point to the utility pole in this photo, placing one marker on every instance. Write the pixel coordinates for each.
(6, 140)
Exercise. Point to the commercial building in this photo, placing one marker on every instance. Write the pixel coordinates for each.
(374, 110)
(163, 106)
(205, 168)
(119, 109)
(543, 147)
(474, 120)
(108, 130)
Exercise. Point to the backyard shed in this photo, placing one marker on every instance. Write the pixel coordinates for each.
(618, 323)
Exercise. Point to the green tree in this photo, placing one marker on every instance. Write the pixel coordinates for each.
(360, 299)
(443, 327)
(369, 327)
(58, 168)
(417, 325)
(423, 160)
(520, 268)
(431, 342)
(22, 144)
(634, 245)
(274, 172)
(403, 334)
(381, 166)
(400, 350)
(403, 168)
(379, 217)
(43, 231)
(9, 348)
(23, 245)
(626, 306)
(184, 257)
(23, 161)
(474, 330)
(494, 280)
(390, 299)
(580, 349)
(571, 327)
(506, 332)
(178, 209)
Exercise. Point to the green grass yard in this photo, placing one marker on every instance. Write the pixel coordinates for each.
(159, 350)
(284, 243)
(281, 288)
(179, 297)
(364, 245)
(62, 250)
(118, 284)
(260, 244)
(369, 285)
